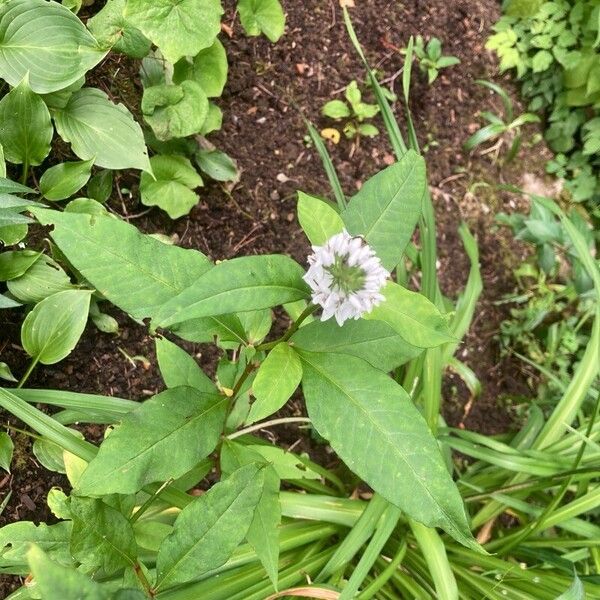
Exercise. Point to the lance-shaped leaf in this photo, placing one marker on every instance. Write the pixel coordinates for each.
(209, 529)
(376, 430)
(387, 207)
(164, 438)
(318, 220)
(135, 272)
(63, 180)
(237, 285)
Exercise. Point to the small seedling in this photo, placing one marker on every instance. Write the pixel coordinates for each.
(430, 57)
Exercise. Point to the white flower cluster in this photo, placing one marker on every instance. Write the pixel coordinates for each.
(345, 277)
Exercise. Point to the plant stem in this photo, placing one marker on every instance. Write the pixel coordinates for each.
(292, 330)
(264, 424)
(25, 172)
(144, 507)
(27, 373)
(143, 580)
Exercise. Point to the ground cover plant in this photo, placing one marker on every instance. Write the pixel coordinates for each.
(121, 537)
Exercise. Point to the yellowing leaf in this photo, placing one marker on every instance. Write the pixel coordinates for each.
(331, 134)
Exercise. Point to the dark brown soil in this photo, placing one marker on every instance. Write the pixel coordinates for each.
(264, 131)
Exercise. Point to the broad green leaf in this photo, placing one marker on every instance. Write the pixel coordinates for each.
(113, 31)
(53, 328)
(209, 529)
(172, 185)
(100, 186)
(87, 206)
(10, 202)
(237, 285)
(373, 341)
(51, 455)
(15, 263)
(164, 438)
(12, 234)
(6, 450)
(46, 41)
(102, 537)
(8, 186)
(44, 278)
(7, 302)
(214, 119)
(318, 220)
(100, 130)
(217, 165)
(26, 131)
(208, 68)
(263, 534)
(175, 111)
(256, 324)
(180, 28)
(9, 218)
(413, 316)
(576, 590)
(65, 179)
(178, 368)
(386, 209)
(226, 328)
(372, 424)
(336, 109)
(56, 582)
(135, 272)
(17, 538)
(262, 16)
(275, 382)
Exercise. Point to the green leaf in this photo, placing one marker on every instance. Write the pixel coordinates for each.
(175, 111)
(217, 165)
(318, 220)
(208, 68)
(353, 94)
(180, 28)
(135, 272)
(6, 450)
(5, 372)
(576, 590)
(237, 285)
(275, 382)
(44, 278)
(12, 234)
(100, 130)
(209, 529)
(165, 437)
(373, 341)
(100, 186)
(56, 582)
(15, 263)
(7, 302)
(412, 316)
(2, 163)
(26, 131)
(46, 41)
(387, 207)
(541, 61)
(102, 537)
(262, 16)
(336, 109)
(374, 427)
(113, 31)
(178, 368)
(172, 185)
(65, 179)
(214, 119)
(226, 328)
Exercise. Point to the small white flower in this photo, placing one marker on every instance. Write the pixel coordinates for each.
(345, 277)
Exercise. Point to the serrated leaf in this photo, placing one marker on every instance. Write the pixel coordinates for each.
(135, 272)
(210, 528)
(386, 209)
(237, 285)
(164, 438)
(275, 382)
(374, 427)
(262, 16)
(318, 220)
(167, 24)
(6, 450)
(65, 179)
(26, 129)
(100, 130)
(53, 328)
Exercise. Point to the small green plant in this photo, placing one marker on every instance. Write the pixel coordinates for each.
(430, 57)
(354, 112)
(504, 129)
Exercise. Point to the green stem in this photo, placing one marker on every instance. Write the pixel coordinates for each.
(309, 310)
(143, 580)
(264, 424)
(25, 172)
(27, 373)
(144, 507)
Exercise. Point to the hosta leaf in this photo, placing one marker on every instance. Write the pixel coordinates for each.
(413, 316)
(6, 448)
(165, 437)
(15, 263)
(262, 16)
(100, 130)
(175, 111)
(7, 302)
(237, 285)
(217, 165)
(25, 130)
(387, 207)
(374, 427)
(65, 179)
(275, 382)
(47, 41)
(135, 272)
(209, 529)
(180, 28)
(53, 328)
(42, 279)
(318, 220)
(208, 68)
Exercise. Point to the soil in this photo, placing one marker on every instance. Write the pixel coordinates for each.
(270, 86)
